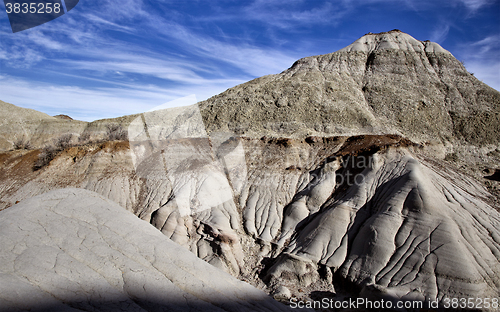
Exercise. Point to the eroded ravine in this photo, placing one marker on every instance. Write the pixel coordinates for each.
(313, 214)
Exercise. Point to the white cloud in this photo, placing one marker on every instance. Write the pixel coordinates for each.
(20, 57)
(475, 5)
(101, 21)
(440, 33)
(249, 58)
(488, 44)
(40, 39)
(481, 58)
(124, 9)
(283, 14)
(288, 15)
(488, 72)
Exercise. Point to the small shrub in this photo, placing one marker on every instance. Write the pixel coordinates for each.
(49, 152)
(451, 157)
(63, 141)
(116, 132)
(22, 144)
(45, 157)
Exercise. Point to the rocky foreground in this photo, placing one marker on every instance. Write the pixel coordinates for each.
(357, 173)
(74, 250)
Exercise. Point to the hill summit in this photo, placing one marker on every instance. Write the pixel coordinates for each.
(382, 83)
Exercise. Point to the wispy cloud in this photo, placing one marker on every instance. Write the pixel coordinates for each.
(290, 14)
(104, 22)
(488, 44)
(475, 5)
(251, 59)
(91, 49)
(125, 9)
(481, 58)
(440, 33)
(422, 5)
(176, 72)
(19, 56)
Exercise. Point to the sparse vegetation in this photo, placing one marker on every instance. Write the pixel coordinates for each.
(22, 144)
(453, 157)
(49, 152)
(116, 132)
(63, 141)
(45, 157)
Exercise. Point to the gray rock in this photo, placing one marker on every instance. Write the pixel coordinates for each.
(73, 250)
(406, 230)
(382, 83)
(282, 293)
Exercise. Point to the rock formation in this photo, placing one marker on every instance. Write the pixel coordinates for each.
(382, 83)
(20, 124)
(359, 173)
(73, 250)
(22, 127)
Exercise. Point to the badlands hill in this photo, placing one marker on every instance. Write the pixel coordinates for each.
(382, 83)
(22, 126)
(357, 173)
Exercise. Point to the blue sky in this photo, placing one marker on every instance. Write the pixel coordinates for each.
(110, 58)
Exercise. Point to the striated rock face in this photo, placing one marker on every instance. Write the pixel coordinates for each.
(358, 173)
(368, 214)
(73, 250)
(408, 231)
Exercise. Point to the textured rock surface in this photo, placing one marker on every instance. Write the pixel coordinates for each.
(413, 227)
(73, 250)
(382, 83)
(407, 231)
